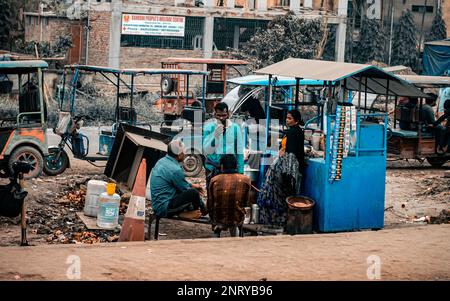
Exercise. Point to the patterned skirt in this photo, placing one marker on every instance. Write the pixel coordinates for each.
(283, 179)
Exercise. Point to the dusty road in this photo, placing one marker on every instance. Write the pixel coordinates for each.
(419, 253)
(407, 250)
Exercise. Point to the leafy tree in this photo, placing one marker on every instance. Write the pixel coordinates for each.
(58, 48)
(371, 42)
(329, 53)
(404, 48)
(286, 36)
(438, 30)
(5, 24)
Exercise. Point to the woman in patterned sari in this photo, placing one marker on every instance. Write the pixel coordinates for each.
(284, 176)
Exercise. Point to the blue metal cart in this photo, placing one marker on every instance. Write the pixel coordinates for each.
(348, 182)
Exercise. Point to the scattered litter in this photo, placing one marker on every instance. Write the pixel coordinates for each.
(422, 219)
(442, 218)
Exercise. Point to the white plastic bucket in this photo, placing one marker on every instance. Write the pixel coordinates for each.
(94, 189)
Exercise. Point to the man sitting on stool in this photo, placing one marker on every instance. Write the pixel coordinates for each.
(229, 193)
(171, 193)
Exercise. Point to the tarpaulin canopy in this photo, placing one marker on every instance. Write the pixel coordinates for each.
(356, 77)
(436, 57)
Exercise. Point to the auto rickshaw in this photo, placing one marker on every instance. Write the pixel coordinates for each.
(417, 142)
(69, 124)
(177, 91)
(23, 135)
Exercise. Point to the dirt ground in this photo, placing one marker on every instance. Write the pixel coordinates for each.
(419, 253)
(413, 190)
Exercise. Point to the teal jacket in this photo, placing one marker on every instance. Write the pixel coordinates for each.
(167, 180)
(214, 148)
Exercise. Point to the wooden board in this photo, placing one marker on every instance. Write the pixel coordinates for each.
(90, 222)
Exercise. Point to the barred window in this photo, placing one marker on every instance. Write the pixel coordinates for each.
(230, 32)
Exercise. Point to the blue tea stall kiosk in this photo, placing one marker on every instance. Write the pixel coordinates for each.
(348, 182)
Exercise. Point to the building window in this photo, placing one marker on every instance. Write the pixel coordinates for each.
(192, 31)
(45, 21)
(420, 8)
(29, 19)
(232, 33)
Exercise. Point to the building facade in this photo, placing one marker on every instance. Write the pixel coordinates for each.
(423, 12)
(140, 33)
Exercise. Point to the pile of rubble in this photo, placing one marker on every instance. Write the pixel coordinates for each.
(436, 186)
(52, 208)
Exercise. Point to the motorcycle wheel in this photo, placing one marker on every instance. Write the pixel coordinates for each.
(53, 167)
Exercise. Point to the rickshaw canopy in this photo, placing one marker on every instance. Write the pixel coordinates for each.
(20, 67)
(136, 71)
(356, 77)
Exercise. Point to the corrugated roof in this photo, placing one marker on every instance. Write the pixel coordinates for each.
(313, 69)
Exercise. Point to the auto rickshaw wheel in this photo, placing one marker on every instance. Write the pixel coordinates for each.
(436, 161)
(54, 167)
(192, 165)
(32, 156)
(167, 85)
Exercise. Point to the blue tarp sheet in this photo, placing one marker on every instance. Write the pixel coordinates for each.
(436, 58)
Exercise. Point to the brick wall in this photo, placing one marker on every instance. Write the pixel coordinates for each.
(329, 5)
(136, 57)
(151, 2)
(99, 38)
(446, 15)
(132, 57)
(52, 28)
